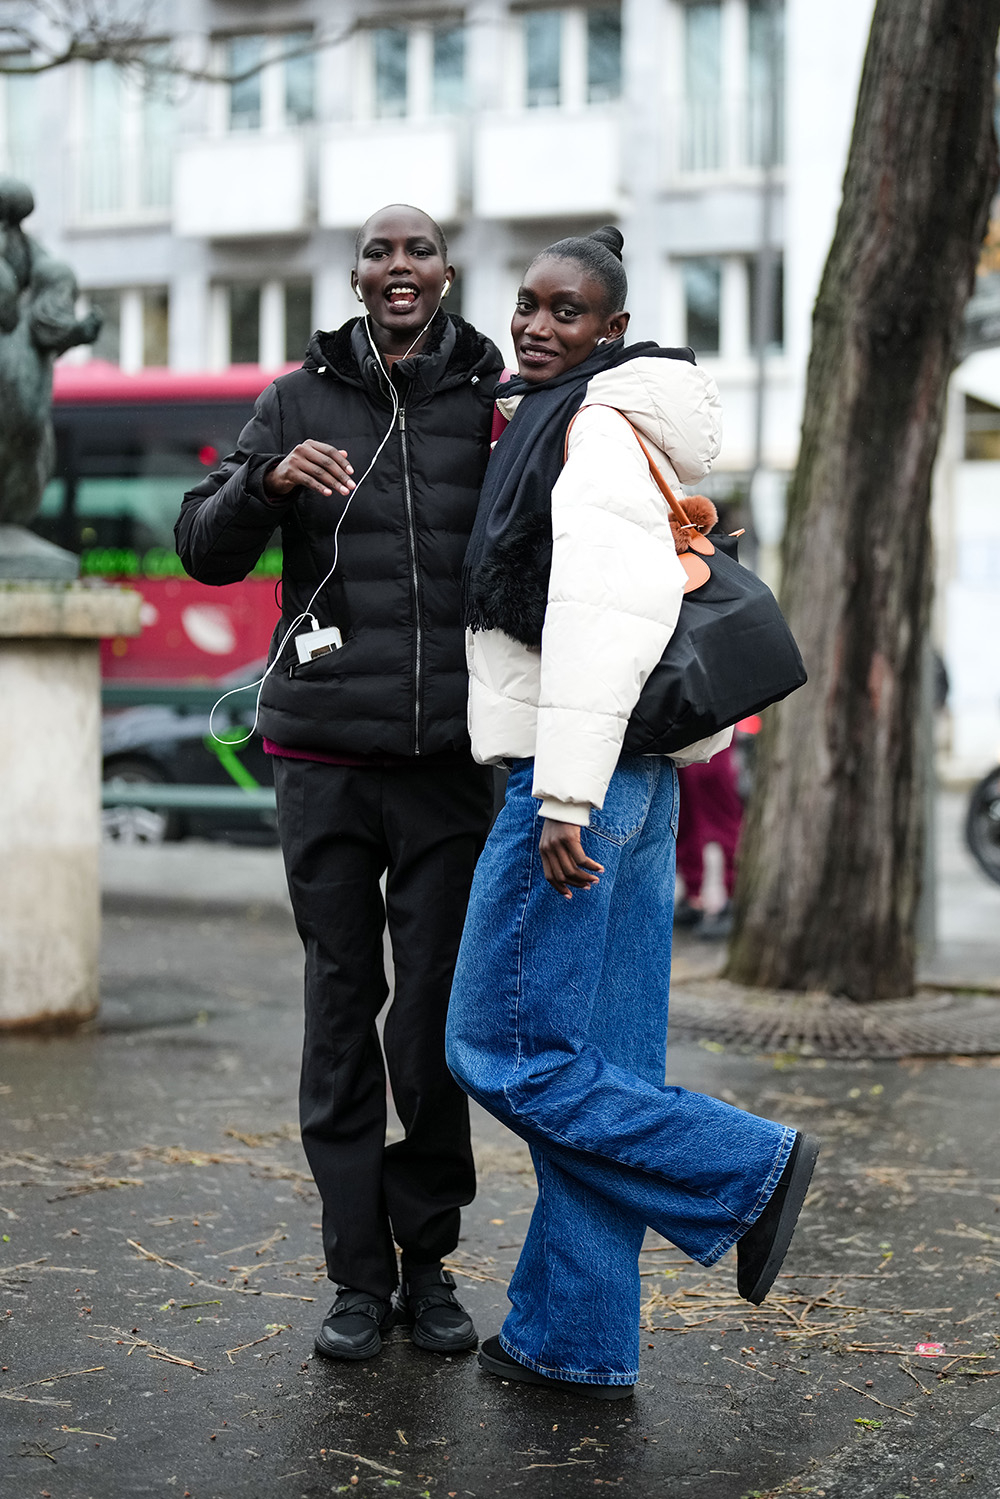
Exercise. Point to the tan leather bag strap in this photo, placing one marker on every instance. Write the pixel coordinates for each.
(679, 513)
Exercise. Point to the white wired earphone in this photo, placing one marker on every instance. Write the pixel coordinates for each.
(307, 611)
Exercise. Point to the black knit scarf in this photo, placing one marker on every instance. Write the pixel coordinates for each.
(506, 578)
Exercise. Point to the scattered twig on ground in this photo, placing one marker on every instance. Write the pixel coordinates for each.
(267, 1138)
(106, 1435)
(69, 1374)
(97, 1184)
(369, 1462)
(869, 1396)
(195, 1279)
(916, 1381)
(478, 1273)
(28, 1400)
(740, 1365)
(158, 1259)
(840, 1275)
(265, 1339)
(39, 1449)
(258, 1246)
(153, 1350)
(572, 1462)
(40, 1264)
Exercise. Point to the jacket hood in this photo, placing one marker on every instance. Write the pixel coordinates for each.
(674, 404)
(455, 351)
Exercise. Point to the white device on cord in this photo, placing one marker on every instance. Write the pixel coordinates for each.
(318, 641)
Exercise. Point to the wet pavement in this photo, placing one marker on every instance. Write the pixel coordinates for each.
(160, 1274)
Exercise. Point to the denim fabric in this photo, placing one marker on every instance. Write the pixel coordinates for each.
(557, 1026)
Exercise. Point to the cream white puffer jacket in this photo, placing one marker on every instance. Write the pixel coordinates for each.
(614, 593)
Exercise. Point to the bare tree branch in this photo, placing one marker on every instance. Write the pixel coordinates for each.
(40, 36)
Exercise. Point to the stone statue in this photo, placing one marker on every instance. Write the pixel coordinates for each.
(37, 322)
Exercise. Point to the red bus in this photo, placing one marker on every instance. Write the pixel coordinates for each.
(128, 446)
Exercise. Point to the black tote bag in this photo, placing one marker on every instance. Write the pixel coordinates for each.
(731, 654)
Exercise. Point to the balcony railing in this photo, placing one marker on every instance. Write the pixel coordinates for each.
(118, 180)
(726, 135)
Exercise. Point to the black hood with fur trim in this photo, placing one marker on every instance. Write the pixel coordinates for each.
(398, 685)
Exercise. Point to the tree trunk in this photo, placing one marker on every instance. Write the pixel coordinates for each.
(830, 872)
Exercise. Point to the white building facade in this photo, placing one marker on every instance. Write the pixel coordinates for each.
(214, 223)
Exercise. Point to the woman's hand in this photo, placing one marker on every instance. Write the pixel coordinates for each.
(564, 862)
(313, 465)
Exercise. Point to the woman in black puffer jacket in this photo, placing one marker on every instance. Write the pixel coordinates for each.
(372, 764)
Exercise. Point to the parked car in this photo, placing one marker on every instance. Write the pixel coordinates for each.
(982, 824)
(154, 743)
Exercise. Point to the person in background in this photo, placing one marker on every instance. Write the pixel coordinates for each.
(558, 1016)
(369, 460)
(711, 811)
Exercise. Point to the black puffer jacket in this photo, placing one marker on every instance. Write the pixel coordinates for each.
(399, 685)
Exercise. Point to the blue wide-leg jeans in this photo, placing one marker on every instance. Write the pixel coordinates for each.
(557, 1026)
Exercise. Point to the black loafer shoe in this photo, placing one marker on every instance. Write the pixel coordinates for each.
(354, 1325)
(762, 1248)
(494, 1359)
(686, 915)
(716, 926)
(439, 1322)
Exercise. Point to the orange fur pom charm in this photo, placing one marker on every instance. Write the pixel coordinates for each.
(703, 516)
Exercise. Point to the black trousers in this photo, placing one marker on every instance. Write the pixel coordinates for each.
(341, 829)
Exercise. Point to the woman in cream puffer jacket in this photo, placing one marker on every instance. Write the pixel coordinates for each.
(614, 593)
(558, 1016)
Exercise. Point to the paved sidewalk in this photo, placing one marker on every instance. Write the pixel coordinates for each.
(160, 1280)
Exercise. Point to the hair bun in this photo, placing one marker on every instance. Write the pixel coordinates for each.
(611, 238)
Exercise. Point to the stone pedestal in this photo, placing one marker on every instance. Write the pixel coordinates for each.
(50, 815)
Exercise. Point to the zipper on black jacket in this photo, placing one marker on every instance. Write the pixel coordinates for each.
(411, 531)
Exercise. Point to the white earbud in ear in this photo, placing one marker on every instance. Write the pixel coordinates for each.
(357, 293)
(601, 341)
(445, 290)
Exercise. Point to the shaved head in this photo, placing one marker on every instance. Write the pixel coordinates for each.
(394, 211)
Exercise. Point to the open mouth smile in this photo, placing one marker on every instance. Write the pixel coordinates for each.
(401, 297)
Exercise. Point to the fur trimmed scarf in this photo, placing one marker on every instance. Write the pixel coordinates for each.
(505, 582)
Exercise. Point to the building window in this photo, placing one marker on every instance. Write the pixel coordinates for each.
(299, 69)
(268, 323)
(765, 82)
(543, 58)
(571, 57)
(123, 161)
(244, 325)
(732, 84)
(982, 431)
(155, 327)
(702, 278)
(391, 46)
(273, 81)
(298, 319)
(102, 160)
(108, 344)
(774, 341)
(702, 118)
(18, 121)
(416, 70)
(448, 87)
(604, 55)
(245, 56)
(135, 332)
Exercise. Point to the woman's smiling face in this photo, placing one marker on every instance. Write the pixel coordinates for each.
(560, 314)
